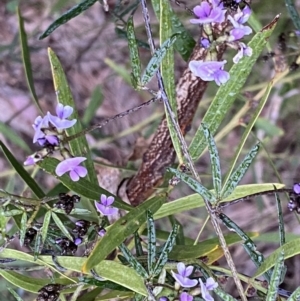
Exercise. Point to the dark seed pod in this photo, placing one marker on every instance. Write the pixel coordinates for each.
(29, 236)
(49, 292)
(68, 247)
(81, 227)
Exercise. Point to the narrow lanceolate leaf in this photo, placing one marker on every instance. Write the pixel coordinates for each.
(185, 43)
(280, 219)
(17, 297)
(167, 72)
(138, 245)
(26, 59)
(197, 187)
(293, 13)
(248, 129)
(70, 14)
(156, 59)
(290, 249)
(238, 174)
(120, 230)
(134, 54)
(164, 255)
(22, 172)
(295, 296)
(23, 228)
(37, 246)
(151, 242)
(61, 226)
(78, 146)
(224, 296)
(214, 160)
(227, 93)
(133, 261)
(45, 227)
(275, 279)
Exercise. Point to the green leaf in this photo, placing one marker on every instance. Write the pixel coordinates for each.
(29, 283)
(295, 296)
(156, 59)
(120, 230)
(78, 146)
(167, 72)
(151, 242)
(23, 228)
(290, 6)
(138, 245)
(227, 93)
(198, 187)
(275, 279)
(94, 103)
(196, 201)
(248, 129)
(17, 297)
(70, 14)
(238, 174)
(214, 160)
(83, 188)
(22, 172)
(61, 226)
(185, 43)
(133, 53)
(37, 246)
(45, 227)
(26, 59)
(224, 296)
(11, 135)
(133, 261)
(290, 249)
(164, 255)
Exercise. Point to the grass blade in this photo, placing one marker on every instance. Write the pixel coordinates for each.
(26, 59)
(22, 172)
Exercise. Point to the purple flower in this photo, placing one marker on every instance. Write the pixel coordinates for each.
(101, 232)
(78, 241)
(105, 207)
(60, 121)
(205, 43)
(210, 70)
(237, 21)
(208, 14)
(38, 126)
(31, 160)
(296, 188)
(183, 274)
(72, 165)
(208, 286)
(243, 50)
(185, 297)
(41, 125)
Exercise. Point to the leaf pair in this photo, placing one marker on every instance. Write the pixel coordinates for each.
(233, 180)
